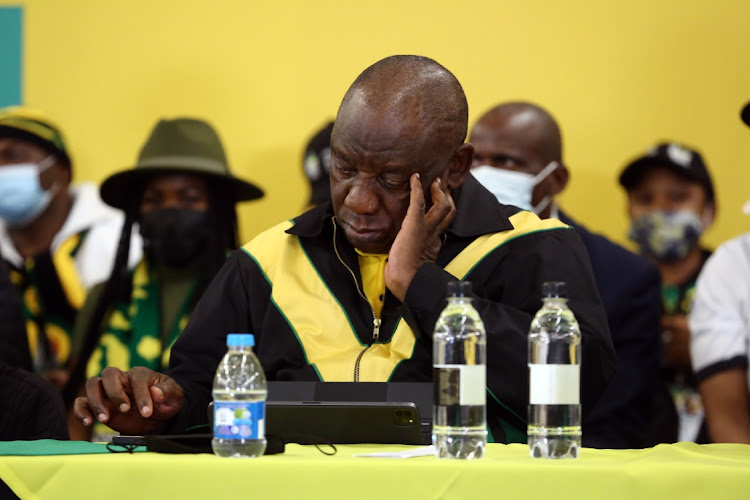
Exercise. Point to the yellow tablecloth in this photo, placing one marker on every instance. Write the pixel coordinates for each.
(680, 471)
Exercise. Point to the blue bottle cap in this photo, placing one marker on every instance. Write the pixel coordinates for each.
(240, 340)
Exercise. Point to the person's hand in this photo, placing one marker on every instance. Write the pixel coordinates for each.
(135, 402)
(676, 339)
(418, 240)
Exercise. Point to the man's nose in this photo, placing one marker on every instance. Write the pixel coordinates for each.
(172, 202)
(362, 198)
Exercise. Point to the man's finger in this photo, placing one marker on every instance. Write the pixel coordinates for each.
(97, 399)
(441, 212)
(416, 197)
(141, 381)
(114, 382)
(82, 411)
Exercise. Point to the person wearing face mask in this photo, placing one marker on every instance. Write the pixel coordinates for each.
(57, 238)
(671, 202)
(518, 158)
(183, 195)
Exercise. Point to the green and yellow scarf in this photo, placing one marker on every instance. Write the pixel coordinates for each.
(131, 337)
(52, 295)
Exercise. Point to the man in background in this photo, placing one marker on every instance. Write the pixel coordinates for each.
(316, 164)
(58, 239)
(518, 157)
(671, 203)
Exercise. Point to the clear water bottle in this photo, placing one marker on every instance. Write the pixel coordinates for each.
(239, 401)
(459, 355)
(554, 429)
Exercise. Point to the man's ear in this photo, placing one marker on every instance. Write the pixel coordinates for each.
(459, 166)
(559, 179)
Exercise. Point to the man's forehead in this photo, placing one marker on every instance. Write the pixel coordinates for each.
(14, 143)
(374, 127)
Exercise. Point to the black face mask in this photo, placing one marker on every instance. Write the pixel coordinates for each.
(174, 236)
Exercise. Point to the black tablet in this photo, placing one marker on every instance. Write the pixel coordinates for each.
(346, 422)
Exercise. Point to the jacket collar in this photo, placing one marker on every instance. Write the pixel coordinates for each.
(477, 213)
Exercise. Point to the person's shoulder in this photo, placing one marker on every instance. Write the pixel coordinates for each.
(596, 242)
(738, 246)
(732, 256)
(525, 221)
(265, 241)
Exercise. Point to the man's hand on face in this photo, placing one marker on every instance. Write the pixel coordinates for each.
(135, 402)
(419, 239)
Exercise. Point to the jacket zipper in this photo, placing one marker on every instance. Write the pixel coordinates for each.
(375, 320)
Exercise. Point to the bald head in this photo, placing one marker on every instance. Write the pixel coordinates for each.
(523, 119)
(414, 85)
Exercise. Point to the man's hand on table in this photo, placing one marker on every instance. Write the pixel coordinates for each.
(135, 402)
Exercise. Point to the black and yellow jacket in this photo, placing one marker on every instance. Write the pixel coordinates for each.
(294, 287)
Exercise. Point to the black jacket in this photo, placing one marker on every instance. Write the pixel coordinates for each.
(14, 346)
(630, 288)
(287, 283)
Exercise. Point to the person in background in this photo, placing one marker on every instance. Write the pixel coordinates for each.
(15, 346)
(59, 239)
(316, 165)
(351, 290)
(671, 202)
(518, 158)
(182, 194)
(720, 342)
(30, 407)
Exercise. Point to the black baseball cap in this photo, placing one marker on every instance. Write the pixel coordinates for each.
(316, 162)
(745, 114)
(681, 159)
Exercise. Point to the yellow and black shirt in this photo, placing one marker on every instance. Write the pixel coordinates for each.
(297, 287)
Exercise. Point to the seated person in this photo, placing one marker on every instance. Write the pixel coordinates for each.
(183, 197)
(351, 290)
(522, 141)
(316, 165)
(720, 341)
(15, 351)
(32, 407)
(58, 238)
(671, 203)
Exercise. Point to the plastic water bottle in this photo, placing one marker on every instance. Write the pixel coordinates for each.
(554, 429)
(239, 392)
(459, 424)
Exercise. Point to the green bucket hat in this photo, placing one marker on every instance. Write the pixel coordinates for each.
(182, 145)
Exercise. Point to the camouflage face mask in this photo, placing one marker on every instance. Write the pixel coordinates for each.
(666, 236)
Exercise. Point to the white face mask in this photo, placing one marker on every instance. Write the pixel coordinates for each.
(22, 198)
(514, 188)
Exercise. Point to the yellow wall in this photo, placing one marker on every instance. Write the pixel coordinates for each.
(619, 75)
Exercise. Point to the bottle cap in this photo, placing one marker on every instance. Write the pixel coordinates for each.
(240, 340)
(554, 289)
(459, 289)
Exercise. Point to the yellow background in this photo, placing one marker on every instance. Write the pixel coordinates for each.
(619, 75)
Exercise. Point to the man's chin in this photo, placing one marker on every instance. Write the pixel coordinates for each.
(374, 242)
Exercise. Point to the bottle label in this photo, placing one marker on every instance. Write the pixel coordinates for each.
(554, 384)
(463, 385)
(239, 419)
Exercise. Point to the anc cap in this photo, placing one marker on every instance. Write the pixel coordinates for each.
(35, 127)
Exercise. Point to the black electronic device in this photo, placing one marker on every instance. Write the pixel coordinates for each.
(351, 412)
